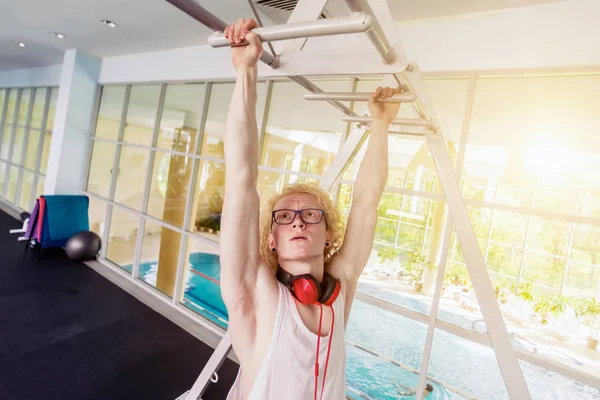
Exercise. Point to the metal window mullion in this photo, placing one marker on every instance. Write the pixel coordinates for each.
(3, 117)
(24, 150)
(489, 235)
(12, 142)
(114, 173)
(426, 224)
(181, 261)
(139, 240)
(564, 277)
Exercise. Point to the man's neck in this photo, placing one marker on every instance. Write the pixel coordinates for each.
(314, 267)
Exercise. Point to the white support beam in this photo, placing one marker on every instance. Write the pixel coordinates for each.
(214, 363)
(324, 27)
(74, 111)
(343, 159)
(505, 354)
(412, 78)
(341, 96)
(376, 35)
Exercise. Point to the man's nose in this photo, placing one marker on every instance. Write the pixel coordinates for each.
(297, 222)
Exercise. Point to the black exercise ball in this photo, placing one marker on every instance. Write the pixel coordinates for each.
(83, 246)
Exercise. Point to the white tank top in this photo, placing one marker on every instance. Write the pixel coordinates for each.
(288, 370)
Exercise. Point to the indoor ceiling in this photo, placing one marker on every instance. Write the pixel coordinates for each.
(152, 25)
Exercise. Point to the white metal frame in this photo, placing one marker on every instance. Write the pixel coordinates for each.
(413, 315)
(27, 128)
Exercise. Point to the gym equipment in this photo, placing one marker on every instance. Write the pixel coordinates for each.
(55, 219)
(83, 246)
(410, 81)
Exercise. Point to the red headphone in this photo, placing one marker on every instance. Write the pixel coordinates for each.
(307, 289)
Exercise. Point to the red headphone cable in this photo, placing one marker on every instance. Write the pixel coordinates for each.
(328, 351)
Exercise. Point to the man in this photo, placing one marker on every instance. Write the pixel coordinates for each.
(405, 391)
(276, 280)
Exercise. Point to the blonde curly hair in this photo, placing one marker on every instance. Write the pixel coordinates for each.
(333, 218)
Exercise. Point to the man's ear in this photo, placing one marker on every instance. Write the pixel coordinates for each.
(328, 238)
(271, 241)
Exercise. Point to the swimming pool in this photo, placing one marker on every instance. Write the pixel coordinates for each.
(465, 365)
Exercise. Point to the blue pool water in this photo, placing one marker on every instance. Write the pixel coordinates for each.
(460, 363)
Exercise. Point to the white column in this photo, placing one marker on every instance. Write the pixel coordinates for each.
(74, 112)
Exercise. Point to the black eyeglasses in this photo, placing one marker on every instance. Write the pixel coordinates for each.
(308, 216)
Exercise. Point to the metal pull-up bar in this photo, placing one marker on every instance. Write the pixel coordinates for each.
(359, 23)
(398, 121)
(200, 14)
(342, 96)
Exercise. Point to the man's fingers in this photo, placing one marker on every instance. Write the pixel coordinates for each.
(247, 26)
(237, 30)
(253, 38)
(227, 33)
(378, 92)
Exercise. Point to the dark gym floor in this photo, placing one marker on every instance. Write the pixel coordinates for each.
(68, 333)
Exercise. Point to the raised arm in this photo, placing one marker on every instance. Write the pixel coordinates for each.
(239, 241)
(368, 188)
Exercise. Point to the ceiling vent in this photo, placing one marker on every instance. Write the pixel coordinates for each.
(280, 10)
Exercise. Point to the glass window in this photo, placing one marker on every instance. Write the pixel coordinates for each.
(169, 187)
(181, 117)
(160, 255)
(12, 105)
(6, 142)
(588, 205)
(3, 168)
(376, 357)
(131, 176)
(13, 181)
(2, 98)
(220, 98)
(97, 215)
(141, 114)
(302, 135)
(586, 244)
(40, 187)
(31, 154)
(461, 364)
(24, 107)
(122, 236)
(508, 228)
(109, 114)
(32, 149)
(547, 236)
(26, 190)
(202, 290)
(38, 108)
(208, 203)
(546, 138)
(101, 165)
(544, 270)
(582, 280)
(52, 109)
(18, 146)
(45, 152)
